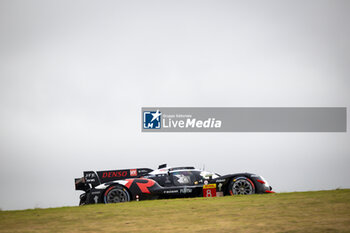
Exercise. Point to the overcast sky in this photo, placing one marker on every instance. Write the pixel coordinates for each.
(75, 74)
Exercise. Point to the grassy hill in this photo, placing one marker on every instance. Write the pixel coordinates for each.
(321, 211)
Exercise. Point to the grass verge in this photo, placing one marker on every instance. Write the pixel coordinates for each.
(321, 211)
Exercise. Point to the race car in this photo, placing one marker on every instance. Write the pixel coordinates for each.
(125, 185)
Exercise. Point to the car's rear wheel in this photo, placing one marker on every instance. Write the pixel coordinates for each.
(116, 194)
(242, 186)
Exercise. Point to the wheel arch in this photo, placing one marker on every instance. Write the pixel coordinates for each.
(110, 187)
(235, 177)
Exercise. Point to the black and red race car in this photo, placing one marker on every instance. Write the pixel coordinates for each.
(166, 182)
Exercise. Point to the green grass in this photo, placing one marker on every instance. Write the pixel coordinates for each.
(321, 211)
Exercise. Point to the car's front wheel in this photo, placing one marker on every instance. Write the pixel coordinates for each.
(241, 186)
(116, 194)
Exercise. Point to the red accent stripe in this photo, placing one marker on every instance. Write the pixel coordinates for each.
(261, 181)
(268, 191)
(129, 183)
(108, 190)
(144, 186)
(251, 183)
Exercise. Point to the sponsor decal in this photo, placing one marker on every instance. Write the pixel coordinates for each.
(220, 186)
(209, 190)
(186, 190)
(90, 175)
(220, 181)
(90, 180)
(114, 174)
(133, 172)
(171, 191)
(143, 170)
(152, 119)
(209, 186)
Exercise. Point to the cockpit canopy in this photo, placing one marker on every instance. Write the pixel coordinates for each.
(180, 176)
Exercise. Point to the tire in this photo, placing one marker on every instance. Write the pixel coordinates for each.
(116, 194)
(241, 186)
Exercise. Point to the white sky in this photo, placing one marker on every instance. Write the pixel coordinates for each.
(75, 74)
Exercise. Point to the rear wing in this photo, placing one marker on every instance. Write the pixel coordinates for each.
(93, 179)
